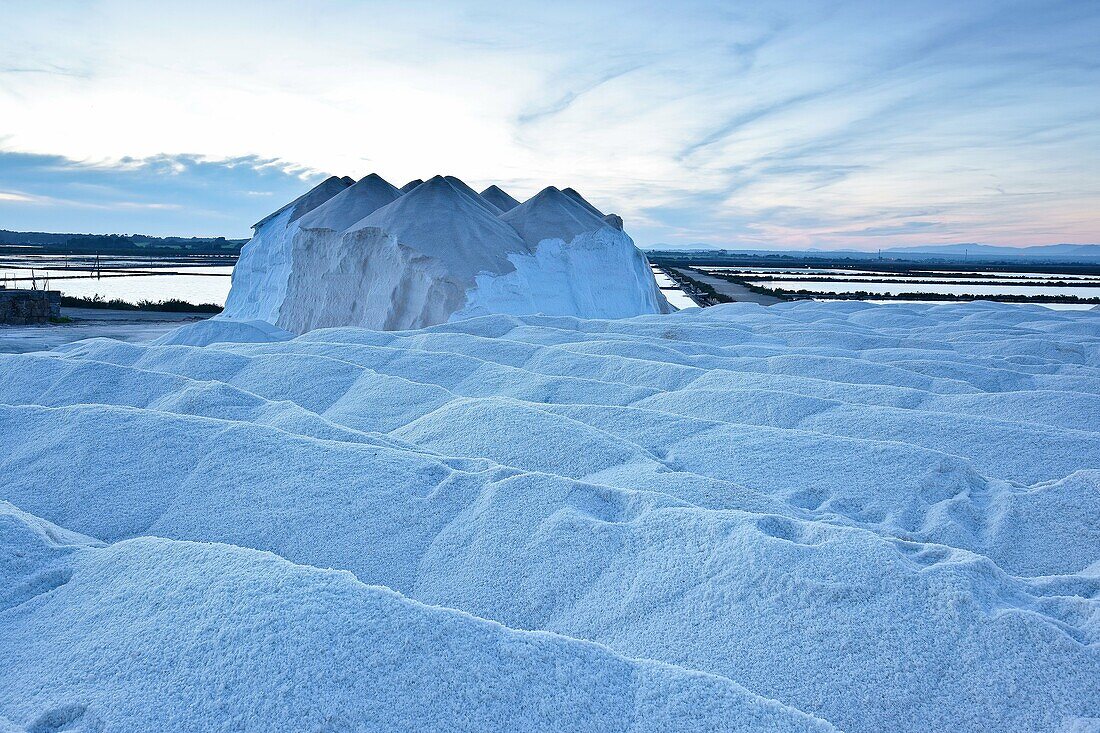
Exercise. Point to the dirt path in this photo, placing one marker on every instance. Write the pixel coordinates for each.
(89, 323)
(732, 290)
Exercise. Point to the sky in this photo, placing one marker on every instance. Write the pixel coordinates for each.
(784, 124)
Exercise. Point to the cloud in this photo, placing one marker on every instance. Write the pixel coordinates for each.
(909, 227)
(16, 197)
(563, 102)
(784, 124)
(51, 69)
(164, 194)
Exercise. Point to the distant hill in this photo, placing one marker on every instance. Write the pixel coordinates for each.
(1062, 253)
(49, 243)
(1088, 252)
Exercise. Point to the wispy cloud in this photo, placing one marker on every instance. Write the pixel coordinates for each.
(780, 124)
(563, 102)
(51, 70)
(184, 194)
(909, 227)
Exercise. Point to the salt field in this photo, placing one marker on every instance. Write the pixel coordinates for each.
(124, 278)
(526, 367)
(672, 292)
(924, 286)
(931, 282)
(804, 515)
(807, 516)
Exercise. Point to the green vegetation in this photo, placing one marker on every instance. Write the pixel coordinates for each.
(939, 277)
(172, 305)
(761, 289)
(897, 264)
(865, 295)
(785, 294)
(127, 244)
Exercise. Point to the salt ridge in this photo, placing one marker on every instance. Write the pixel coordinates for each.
(883, 516)
(98, 614)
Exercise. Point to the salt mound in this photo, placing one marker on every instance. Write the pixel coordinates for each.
(767, 495)
(261, 275)
(573, 194)
(213, 331)
(308, 201)
(613, 220)
(471, 194)
(499, 198)
(370, 255)
(550, 214)
(578, 265)
(89, 643)
(411, 185)
(352, 204)
(449, 223)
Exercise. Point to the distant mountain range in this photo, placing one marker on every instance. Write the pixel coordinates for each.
(1046, 251)
(1089, 253)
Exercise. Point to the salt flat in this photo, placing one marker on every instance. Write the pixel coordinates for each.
(92, 323)
(746, 518)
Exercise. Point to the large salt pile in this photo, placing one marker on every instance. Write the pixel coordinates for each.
(380, 257)
(812, 514)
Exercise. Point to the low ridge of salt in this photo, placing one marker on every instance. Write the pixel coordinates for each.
(95, 655)
(411, 185)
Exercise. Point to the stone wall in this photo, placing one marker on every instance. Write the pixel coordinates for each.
(29, 307)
